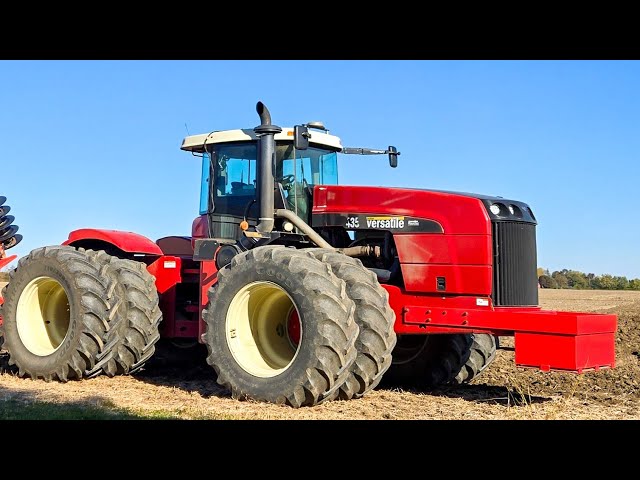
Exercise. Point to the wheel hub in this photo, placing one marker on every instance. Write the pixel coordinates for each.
(43, 316)
(263, 329)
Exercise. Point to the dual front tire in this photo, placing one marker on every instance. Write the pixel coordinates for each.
(298, 327)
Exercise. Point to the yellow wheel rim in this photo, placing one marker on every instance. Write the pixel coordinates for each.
(43, 316)
(257, 329)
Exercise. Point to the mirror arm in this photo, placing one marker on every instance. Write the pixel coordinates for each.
(366, 151)
(363, 151)
(392, 151)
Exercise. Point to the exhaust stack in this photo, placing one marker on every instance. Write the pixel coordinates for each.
(266, 166)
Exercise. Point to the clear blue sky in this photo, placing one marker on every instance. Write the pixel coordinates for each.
(96, 143)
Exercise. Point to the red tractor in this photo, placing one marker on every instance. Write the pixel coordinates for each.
(303, 290)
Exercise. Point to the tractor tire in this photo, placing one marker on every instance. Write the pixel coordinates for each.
(132, 340)
(56, 314)
(481, 353)
(280, 327)
(429, 361)
(373, 315)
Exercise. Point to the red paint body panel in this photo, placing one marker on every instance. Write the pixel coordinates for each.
(565, 352)
(461, 279)
(462, 254)
(444, 249)
(127, 241)
(166, 269)
(550, 340)
(508, 320)
(457, 214)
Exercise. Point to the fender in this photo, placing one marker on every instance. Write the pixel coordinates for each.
(126, 241)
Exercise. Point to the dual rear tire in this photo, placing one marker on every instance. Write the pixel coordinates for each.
(73, 313)
(429, 361)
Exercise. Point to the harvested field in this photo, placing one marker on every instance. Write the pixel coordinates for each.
(180, 386)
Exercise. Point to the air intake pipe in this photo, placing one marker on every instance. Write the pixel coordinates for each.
(266, 166)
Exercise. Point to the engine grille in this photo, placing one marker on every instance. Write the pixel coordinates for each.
(515, 280)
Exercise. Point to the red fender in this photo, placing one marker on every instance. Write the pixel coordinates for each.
(126, 241)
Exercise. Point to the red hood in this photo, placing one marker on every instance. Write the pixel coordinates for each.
(458, 214)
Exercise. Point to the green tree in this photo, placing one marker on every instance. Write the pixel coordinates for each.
(621, 283)
(561, 279)
(577, 280)
(634, 284)
(605, 282)
(546, 281)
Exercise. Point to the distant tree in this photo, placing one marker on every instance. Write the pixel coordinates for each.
(634, 284)
(621, 283)
(561, 279)
(605, 282)
(546, 281)
(577, 280)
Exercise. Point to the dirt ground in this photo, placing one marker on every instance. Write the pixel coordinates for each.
(184, 387)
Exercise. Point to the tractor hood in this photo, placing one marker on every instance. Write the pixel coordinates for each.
(521, 211)
(407, 210)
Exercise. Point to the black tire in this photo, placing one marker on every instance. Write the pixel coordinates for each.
(319, 363)
(58, 279)
(430, 361)
(132, 340)
(373, 315)
(481, 353)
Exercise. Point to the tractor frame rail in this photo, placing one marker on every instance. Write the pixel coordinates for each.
(544, 339)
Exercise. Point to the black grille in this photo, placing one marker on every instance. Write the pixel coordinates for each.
(515, 280)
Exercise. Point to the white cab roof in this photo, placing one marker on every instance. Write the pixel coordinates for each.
(196, 143)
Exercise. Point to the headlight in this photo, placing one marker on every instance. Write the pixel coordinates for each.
(511, 210)
(495, 209)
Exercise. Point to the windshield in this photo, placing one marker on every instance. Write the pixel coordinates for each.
(233, 171)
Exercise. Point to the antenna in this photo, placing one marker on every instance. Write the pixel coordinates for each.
(186, 128)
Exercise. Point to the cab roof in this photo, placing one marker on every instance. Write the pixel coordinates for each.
(196, 143)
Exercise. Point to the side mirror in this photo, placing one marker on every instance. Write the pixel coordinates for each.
(393, 156)
(301, 137)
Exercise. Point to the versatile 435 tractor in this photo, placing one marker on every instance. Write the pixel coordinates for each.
(302, 290)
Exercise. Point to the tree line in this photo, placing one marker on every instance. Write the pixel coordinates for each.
(585, 281)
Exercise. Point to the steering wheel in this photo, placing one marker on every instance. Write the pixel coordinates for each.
(287, 181)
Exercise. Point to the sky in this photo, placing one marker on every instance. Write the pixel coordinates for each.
(97, 143)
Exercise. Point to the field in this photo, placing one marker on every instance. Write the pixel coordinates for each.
(182, 387)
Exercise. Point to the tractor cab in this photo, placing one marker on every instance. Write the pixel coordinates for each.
(229, 187)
